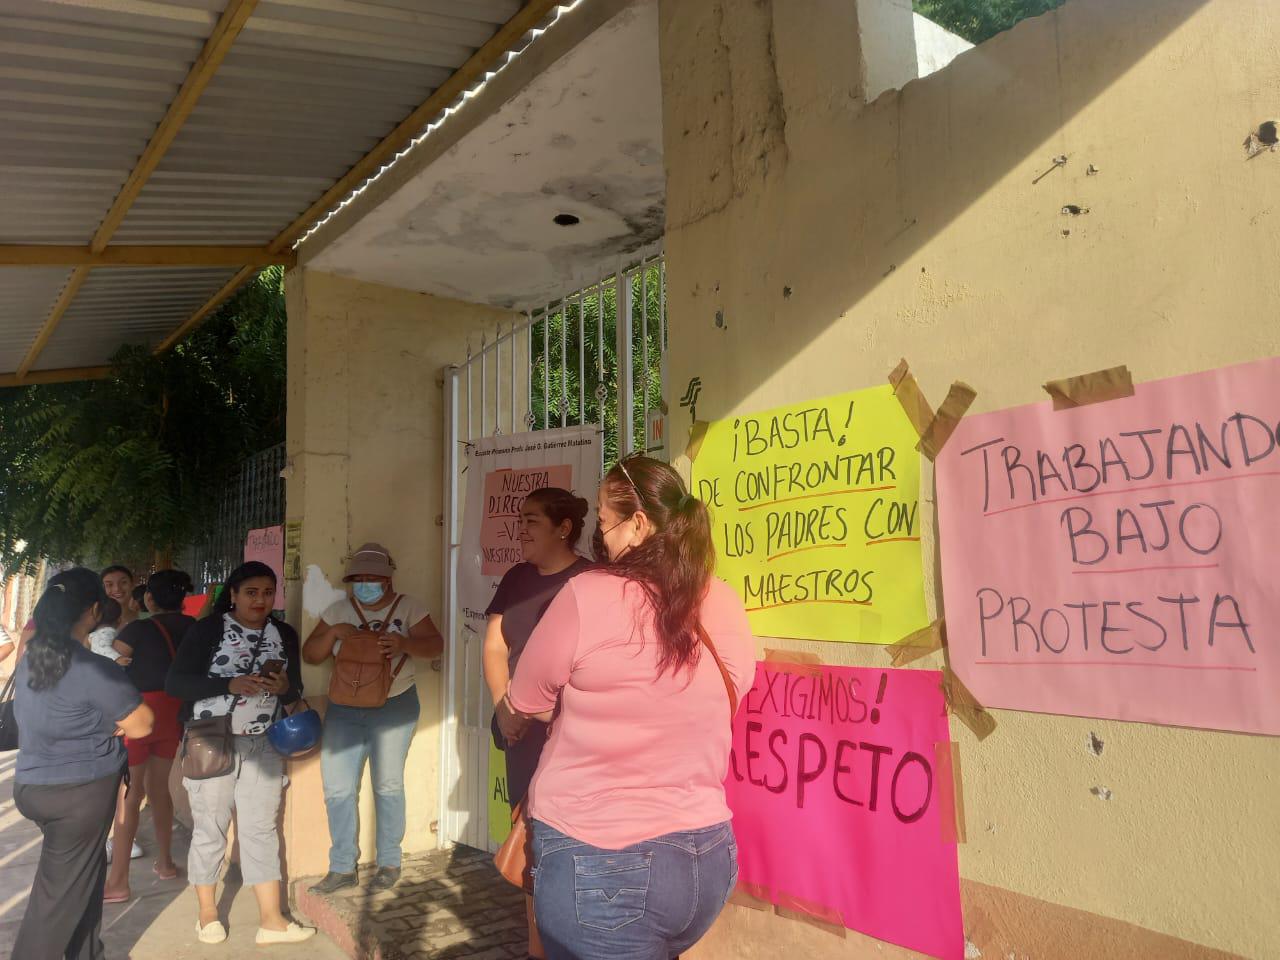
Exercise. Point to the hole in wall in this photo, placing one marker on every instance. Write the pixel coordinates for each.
(565, 219)
(1268, 135)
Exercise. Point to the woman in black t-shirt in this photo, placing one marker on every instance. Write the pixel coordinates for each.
(551, 521)
(146, 649)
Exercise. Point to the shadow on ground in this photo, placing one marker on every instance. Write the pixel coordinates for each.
(449, 905)
(158, 923)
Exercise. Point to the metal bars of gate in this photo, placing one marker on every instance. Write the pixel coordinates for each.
(252, 498)
(596, 356)
(548, 352)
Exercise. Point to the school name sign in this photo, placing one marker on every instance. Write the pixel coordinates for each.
(816, 517)
(1116, 560)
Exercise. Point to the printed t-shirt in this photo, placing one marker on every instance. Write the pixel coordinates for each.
(409, 614)
(66, 733)
(522, 598)
(102, 641)
(632, 755)
(241, 652)
(152, 657)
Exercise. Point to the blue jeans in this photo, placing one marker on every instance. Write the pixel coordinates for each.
(382, 736)
(649, 901)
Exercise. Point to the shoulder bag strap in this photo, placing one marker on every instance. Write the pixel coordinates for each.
(386, 625)
(724, 674)
(167, 638)
(355, 605)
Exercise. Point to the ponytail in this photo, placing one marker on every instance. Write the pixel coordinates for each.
(65, 600)
(560, 505)
(168, 588)
(674, 564)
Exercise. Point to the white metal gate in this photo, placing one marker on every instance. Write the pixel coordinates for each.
(597, 356)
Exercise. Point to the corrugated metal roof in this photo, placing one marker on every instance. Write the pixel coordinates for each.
(308, 88)
(25, 298)
(128, 305)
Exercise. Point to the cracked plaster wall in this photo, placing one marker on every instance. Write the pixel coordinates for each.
(833, 237)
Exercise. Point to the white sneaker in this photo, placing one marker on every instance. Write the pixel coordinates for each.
(211, 932)
(294, 933)
(136, 852)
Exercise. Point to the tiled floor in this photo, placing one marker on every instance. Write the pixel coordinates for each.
(448, 905)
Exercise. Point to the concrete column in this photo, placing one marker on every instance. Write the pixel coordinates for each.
(365, 443)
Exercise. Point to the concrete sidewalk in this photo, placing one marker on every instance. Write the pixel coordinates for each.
(159, 922)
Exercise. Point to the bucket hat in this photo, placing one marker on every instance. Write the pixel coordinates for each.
(371, 560)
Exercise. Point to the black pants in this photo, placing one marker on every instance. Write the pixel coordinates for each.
(64, 914)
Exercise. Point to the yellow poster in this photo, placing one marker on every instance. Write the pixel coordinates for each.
(499, 809)
(815, 511)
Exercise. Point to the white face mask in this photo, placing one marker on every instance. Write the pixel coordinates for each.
(368, 591)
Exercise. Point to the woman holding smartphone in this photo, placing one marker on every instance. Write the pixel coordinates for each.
(240, 663)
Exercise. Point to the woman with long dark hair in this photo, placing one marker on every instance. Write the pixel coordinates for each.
(242, 664)
(551, 521)
(642, 660)
(147, 649)
(71, 707)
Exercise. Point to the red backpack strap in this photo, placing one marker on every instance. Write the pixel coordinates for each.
(167, 638)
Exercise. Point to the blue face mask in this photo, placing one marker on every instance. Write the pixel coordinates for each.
(368, 591)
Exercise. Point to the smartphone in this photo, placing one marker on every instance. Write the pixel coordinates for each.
(270, 667)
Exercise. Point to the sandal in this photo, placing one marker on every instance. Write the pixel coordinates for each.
(116, 897)
(155, 868)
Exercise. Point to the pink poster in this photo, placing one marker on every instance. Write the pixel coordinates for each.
(1119, 560)
(267, 546)
(504, 493)
(839, 806)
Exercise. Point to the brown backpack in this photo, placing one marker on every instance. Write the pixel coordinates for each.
(362, 677)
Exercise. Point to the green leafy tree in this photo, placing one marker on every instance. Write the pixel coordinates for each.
(130, 467)
(979, 20)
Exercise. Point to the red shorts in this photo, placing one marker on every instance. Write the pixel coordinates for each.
(164, 737)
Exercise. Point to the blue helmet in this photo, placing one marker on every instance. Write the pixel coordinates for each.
(297, 734)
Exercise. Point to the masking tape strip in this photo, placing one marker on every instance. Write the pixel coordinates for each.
(939, 431)
(966, 706)
(1097, 387)
(794, 661)
(752, 897)
(697, 433)
(919, 644)
(910, 396)
(814, 914)
(946, 758)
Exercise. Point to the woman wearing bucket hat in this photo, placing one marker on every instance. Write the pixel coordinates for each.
(376, 721)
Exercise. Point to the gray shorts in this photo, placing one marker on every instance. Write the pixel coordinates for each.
(252, 791)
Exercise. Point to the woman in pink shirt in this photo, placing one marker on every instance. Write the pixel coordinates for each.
(634, 853)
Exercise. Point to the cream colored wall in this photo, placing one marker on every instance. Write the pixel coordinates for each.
(837, 238)
(365, 444)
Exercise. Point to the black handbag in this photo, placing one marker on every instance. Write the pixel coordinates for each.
(8, 720)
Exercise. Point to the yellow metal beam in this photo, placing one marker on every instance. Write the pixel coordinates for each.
(215, 50)
(212, 54)
(497, 46)
(64, 375)
(68, 294)
(224, 294)
(525, 19)
(52, 255)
